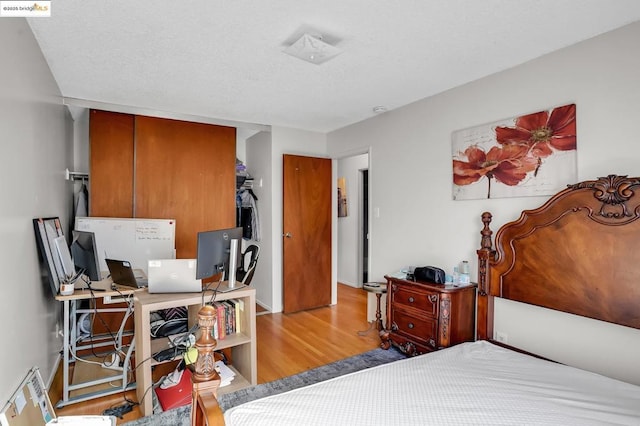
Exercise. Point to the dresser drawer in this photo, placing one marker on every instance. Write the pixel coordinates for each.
(422, 330)
(425, 301)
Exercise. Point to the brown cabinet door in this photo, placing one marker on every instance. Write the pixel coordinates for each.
(163, 169)
(185, 171)
(111, 164)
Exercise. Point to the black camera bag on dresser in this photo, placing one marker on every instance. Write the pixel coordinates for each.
(429, 273)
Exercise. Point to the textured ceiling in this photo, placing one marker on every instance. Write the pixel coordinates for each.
(224, 59)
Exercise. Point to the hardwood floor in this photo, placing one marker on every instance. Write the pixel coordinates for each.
(287, 344)
(291, 343)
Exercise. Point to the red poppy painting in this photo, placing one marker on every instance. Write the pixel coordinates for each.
(529, 155)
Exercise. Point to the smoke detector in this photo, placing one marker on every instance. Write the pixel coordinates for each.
(312, 48)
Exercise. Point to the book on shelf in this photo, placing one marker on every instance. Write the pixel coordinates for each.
(214, 329)
(229, 312)
(228, 318)
(239, 305)
(221, 320)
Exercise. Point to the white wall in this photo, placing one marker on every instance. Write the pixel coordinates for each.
(36, 148)
(349, 226)
(80, 140)
(410, 167)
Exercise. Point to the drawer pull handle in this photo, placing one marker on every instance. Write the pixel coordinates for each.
(411, 325)
(411, 299)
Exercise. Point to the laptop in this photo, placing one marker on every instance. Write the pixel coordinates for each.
(173, 276)
(123, 274)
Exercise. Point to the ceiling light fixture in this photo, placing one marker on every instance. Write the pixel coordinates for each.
(312, 49)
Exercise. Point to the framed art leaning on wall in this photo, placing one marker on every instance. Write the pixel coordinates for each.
(46, 230)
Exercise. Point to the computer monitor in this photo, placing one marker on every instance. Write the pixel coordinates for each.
(214, 249)
(84, 253)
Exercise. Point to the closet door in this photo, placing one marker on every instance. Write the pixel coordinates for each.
(111, 164)
(185, 171)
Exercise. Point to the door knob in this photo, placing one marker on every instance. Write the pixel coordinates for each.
(287, 235)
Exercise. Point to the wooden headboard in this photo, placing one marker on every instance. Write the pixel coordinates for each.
(577, 253)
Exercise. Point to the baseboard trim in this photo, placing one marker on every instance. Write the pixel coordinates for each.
(54, 370)
(354, 285)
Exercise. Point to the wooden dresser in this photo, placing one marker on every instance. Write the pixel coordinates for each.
(424, 317)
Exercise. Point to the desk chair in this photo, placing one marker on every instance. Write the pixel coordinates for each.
(244, 274)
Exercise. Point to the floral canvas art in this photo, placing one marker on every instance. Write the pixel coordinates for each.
(529, 155)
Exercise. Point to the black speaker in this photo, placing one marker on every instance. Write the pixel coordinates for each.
(429, 273)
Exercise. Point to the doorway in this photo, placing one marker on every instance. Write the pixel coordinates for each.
(353, 239)
(364, 228)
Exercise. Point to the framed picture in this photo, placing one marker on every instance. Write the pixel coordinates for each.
(342, 197)
(527, 155)
(47, 230)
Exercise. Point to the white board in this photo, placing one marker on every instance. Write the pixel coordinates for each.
(135, 240)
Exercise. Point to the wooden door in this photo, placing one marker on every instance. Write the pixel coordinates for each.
(307, 232)
(111, 164)
(185, 171)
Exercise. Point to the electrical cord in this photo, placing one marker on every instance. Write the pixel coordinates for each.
(118, 411)
(214, 290)
(93, 306)
(120, 354)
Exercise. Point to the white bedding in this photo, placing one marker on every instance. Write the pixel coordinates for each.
(472, 383)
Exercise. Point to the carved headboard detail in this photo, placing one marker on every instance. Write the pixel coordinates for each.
(577, 253)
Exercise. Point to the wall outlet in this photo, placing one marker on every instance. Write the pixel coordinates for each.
(502, 337)
(58, 331)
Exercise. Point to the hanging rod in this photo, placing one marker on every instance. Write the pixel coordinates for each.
(75, 175)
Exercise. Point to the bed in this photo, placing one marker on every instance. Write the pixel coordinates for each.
(577, 253)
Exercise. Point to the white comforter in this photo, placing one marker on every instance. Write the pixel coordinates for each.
(468, 384)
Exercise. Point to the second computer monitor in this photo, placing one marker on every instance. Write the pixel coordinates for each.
(84, 252)
(214, 251)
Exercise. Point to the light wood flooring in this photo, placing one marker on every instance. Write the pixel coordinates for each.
(287, 344)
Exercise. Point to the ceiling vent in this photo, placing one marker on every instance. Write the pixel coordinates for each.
(312, 48)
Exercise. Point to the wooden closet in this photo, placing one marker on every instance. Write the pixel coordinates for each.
(148, 167)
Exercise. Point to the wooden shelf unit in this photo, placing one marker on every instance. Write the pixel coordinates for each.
(242, 344)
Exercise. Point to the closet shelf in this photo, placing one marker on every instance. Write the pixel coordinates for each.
(243, 182)
(69, 175)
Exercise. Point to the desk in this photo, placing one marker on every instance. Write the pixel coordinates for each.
(70, 343)
(242, 343)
